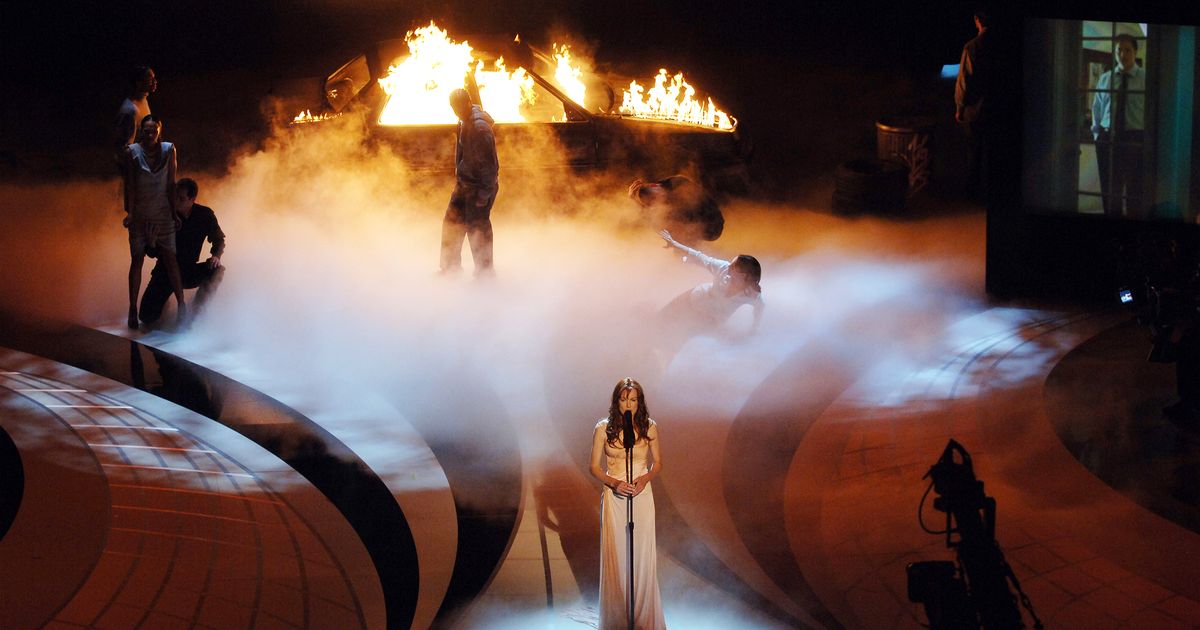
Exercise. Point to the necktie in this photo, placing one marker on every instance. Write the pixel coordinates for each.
(1118, 123)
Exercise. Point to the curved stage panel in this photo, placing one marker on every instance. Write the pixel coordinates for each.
(456, 562)
(56, 462)
(174, 519)
(1105, 401)
(791, 506)
(358, 494)
(484, 477)
(1085, 555)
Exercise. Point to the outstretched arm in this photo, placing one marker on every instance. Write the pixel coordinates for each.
(671, 242)
(688, 252)
(713, 265)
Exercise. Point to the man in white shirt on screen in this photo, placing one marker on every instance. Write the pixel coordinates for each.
(1119, 129)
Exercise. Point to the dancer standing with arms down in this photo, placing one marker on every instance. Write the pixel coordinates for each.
(476, 173)
(607, 464)
(150, 208)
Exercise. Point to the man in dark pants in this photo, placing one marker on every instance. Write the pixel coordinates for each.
(1119, 128)
(199, 223)
(476, 172)
(973, 93)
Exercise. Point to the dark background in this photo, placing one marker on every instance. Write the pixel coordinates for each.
(806, 80)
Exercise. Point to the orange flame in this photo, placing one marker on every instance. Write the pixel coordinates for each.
(673, 98)
(504, 92)
(306, 117)
(419, 86)
(568, 75)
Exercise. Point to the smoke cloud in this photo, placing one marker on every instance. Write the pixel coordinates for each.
(331, 301)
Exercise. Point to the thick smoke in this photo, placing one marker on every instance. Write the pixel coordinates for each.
(331, 301)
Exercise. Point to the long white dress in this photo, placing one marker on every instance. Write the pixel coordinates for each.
(614, 553)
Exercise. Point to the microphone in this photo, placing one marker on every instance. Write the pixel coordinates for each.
(628, 430)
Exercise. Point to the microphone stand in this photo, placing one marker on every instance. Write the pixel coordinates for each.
(629, 439)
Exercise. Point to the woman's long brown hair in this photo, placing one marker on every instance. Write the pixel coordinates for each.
(641, 418)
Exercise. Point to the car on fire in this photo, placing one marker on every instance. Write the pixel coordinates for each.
(545, 128)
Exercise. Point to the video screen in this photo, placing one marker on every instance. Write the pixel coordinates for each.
(1110, 124)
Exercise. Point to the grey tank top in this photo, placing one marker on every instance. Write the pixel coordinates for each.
(150, 200)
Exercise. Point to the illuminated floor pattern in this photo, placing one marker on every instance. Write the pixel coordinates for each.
(174, 520)
(181, 531)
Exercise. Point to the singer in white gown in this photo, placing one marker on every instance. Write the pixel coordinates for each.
(608, 466)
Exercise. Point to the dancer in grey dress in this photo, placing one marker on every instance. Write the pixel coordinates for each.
(150, 210)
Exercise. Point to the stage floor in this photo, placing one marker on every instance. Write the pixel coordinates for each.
(160, 493)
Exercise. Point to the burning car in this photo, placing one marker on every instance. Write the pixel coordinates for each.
(550, 113)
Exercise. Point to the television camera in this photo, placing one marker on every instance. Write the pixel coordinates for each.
(974, 591)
